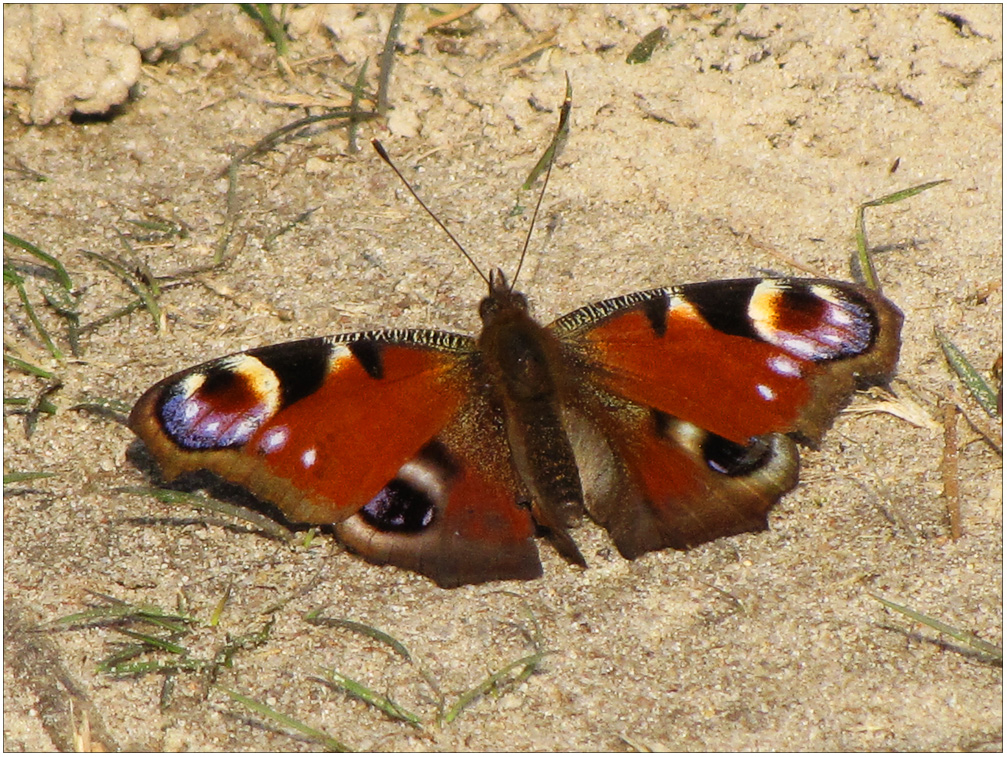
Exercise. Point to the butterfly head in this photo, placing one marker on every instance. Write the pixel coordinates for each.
(502, 303)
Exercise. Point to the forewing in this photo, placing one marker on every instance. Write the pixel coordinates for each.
(738, 358)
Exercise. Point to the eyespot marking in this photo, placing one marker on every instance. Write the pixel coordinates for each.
(409, 502)
(812, 322)
(399, 508)
(221, 405)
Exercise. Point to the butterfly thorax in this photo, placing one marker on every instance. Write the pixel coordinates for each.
(521, 356)
(523, 363)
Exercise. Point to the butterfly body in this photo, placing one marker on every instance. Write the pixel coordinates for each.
(668, 416)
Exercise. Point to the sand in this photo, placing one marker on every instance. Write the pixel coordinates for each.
(745, 144)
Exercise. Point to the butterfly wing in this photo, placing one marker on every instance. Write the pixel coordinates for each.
(681, 423)
(386, 434)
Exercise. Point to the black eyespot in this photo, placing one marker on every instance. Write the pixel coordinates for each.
(399, 508)
(733, 459)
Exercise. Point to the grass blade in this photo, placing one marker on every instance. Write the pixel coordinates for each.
(42, 404)
(103, 405)
(904, 194)
(863, 258)
(64, 278)
(65, 305)
(383, 638)
(371, 697)
(963, 636)
(147, 292)
(113, 316)
(35, 406)
(314, 734)
(34, 370)
(526, 667)
(154, 642)
(221, 605)
(16, 477)
(645, 48)
(172, 497)
(978, 387)
(263, 13)
(12, 277)
(558, 139)
(388, 57)
(117, 610)
(369, 631)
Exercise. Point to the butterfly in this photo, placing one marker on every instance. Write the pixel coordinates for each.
(669, 416)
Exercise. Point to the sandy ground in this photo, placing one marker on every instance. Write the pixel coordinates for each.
(747, 141)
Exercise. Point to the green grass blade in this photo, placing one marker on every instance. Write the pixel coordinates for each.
(114, 662)
(378, 635)
(147, 292)
(35, 405)
(55, 351)
(289, 131)
(963, 636)
(904, 194)
(355, 95)
(116, 610)
(34, 370)
(526, 667)
(978, 387)
(321, 737)
(119, 665)
(247, 641)
(387, 59)
(263, 13)
(141, 270)
(16, 477)
(64, 278)
(160, 229)
(863, 258)
(267, 241)
(65, 304)
(371, 697)
(42, 404)
(221, 605)
(172, 497)
(154, 642)
(558, 139)
(645, 48)
(97, 323)
(107, 405)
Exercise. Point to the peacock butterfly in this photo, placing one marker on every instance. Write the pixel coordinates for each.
(669, 416)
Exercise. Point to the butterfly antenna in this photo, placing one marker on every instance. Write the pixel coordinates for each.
(531, 226)
(384, 156)
(549, 158)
